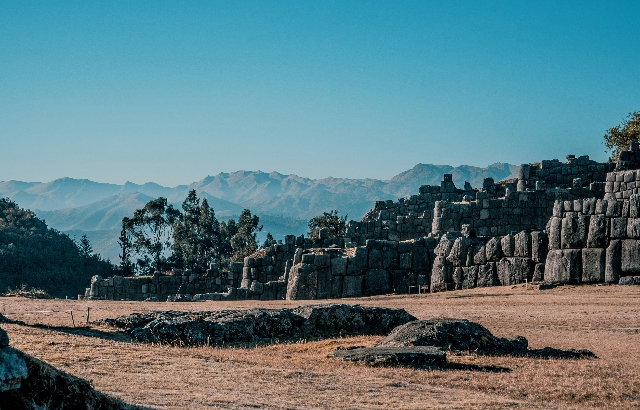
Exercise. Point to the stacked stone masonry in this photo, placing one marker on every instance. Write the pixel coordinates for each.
(571, 222)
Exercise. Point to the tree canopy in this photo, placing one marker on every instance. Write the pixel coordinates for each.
(160, 237)
(330, 220)
(31, 254)
(619, 137)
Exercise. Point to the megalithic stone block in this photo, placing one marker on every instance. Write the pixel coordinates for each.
(613, 261)
(493, 249)
(593, 265)
(441, 275)
(598, 230)
(487, 275)
(563, 266)
(554, 227)
(539, 246)
(630, 256)
(458, 254)
(303, 282)
(377, 282)
(574, 230)
(522, 247)
(469, 277)
(352, 286)
(512, 271)
(507, 243)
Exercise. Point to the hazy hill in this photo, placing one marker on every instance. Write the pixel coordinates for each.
(284, 202)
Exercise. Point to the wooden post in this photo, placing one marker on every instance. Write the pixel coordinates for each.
(88, 308)
(73, 322)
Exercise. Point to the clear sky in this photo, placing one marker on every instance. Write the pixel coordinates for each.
(173, 91)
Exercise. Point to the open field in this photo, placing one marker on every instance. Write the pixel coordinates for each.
(603, 319)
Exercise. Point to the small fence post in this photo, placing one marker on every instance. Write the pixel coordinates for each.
(88, 308)
(73, 322)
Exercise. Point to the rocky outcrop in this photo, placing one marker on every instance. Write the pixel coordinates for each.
(453, 335)
(417, 357)
(461, 335)
(27, 383)
(260, 325)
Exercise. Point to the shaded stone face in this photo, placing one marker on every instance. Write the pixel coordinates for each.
(593, 265)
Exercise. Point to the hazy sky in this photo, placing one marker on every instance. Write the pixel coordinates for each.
(173, 91)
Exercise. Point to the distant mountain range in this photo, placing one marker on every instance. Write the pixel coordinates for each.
(284, 202)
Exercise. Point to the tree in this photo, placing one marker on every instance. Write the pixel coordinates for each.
(126, 268)
(330, 220)
(269, 241)
(196, 235)
(619, 137)
(86, 250)
(244, 241)
(150, 231)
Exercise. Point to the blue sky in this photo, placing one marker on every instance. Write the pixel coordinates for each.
(173, 91)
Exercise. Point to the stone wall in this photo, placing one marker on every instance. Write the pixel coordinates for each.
(594, 241)
(378, 268)
(573, 222)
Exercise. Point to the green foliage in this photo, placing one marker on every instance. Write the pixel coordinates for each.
(35, 256)
(269, 241)
(619, 137)
(244, 241)
(150, 232)
(86, 250)
(330, 220)
(196, 235)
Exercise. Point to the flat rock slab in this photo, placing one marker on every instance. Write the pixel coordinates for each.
(413, 356)
(260, 325)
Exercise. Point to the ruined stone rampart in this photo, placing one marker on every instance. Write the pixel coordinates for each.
(573, 222)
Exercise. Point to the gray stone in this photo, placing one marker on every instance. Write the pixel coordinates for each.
(633, 228)
(538, 272)
(352, 286)
(554, 228)
(563, 266)
(336, 287)
(389, 258)
(303, 282)
(630, 256)
(322, 260)
(376, 282)
(598, 229)
(308, 258)
(458, 254)
(479, 255)
(257, 287)
(357, 264)
(512, 271)
(444, 246)
(401, 280)
(487, 275)
(634, 206)
(539, 246)
(593, 265)
(493, 250)
(324, 282)
(457, 278)
(339, 266)
(618, 228)
(574, 230)
(507, 244)
(405, 260)
(421, 261)
(469, 277)
(613, 261)
(629, 280)
(522, 242)
(414, 356)
(441, 275)
(375, 258)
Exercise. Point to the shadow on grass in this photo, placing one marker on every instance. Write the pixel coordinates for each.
(86, 331)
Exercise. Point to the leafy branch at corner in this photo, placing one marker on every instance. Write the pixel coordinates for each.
(619, 137)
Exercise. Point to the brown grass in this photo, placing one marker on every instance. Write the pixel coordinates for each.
(604, 319)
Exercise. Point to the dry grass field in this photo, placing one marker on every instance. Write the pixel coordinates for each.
(603, 319)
